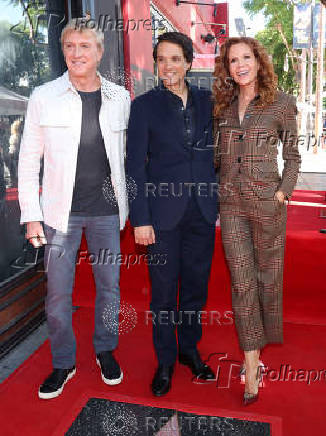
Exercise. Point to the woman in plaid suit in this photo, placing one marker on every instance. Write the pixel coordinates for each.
(251, 119)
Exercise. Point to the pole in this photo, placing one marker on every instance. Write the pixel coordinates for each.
(303, 91)
(320, 76)
(310, 74)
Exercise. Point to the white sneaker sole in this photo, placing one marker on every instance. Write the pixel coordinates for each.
(50, 395)
(108, 381)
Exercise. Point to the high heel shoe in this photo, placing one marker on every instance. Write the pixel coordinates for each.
(248, 397)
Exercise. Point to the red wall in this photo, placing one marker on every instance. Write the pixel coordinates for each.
(138, 43)
(181, 17)
(222, 16)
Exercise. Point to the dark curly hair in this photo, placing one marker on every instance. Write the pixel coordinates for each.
(179, 39)
(224, 87)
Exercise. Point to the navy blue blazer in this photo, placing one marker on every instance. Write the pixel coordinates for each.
(161, 164)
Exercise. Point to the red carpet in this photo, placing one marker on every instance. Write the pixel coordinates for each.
(293, 407)
(311, 196)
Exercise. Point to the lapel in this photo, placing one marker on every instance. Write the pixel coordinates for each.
(112, 104)
(199, 116)
(109, 89)
(235, 111)
(170, 116)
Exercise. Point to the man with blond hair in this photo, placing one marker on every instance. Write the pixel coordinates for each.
(77, 124)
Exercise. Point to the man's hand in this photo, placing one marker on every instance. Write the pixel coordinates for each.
(144, 235)
(279, 195)
(35, 234)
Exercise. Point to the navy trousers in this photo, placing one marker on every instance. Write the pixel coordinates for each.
(187, 250)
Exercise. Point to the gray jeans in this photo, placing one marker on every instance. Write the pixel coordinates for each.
(103, 241)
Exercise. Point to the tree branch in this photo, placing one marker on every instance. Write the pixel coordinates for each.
(289, 50)
(30, 20)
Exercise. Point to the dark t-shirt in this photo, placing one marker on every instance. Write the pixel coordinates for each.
(93, 168)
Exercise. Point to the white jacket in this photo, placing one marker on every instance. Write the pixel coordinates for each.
(52, 129)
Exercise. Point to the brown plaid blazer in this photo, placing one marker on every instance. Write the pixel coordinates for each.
(247, 152)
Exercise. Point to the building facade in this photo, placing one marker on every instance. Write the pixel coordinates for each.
(206, 23)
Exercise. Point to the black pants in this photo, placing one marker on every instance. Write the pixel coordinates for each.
(187, 250)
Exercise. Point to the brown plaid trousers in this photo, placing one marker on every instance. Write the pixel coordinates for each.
(253, 223)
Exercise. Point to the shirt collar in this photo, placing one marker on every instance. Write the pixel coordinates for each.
(236, 97)
(162, 87)
(107, 88)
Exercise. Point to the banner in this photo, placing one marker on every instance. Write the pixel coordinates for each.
(315, 29)
(302, 26)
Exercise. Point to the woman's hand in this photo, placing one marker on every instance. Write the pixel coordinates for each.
(279, 196)
(144, 235)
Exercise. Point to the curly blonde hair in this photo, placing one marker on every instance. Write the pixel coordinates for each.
(224, 87)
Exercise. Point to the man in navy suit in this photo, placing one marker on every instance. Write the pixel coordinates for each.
(170, 157)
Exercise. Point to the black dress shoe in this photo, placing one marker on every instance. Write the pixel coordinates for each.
(197, 366)
(161, 383)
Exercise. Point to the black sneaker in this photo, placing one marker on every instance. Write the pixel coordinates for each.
(110, 369)
(54, 384)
